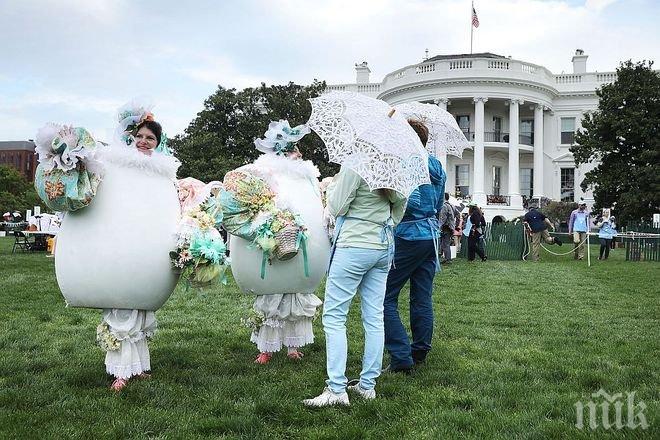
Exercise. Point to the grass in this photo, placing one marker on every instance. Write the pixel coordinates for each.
(515, 346)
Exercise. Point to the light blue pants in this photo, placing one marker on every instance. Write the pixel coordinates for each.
(352, 270)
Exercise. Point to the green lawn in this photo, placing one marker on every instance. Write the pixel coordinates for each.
(515, 346)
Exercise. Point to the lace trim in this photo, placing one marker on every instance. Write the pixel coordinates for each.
(274, 323)
(148, 335)
(127, 371)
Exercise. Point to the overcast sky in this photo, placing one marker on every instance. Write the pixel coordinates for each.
(77, 61)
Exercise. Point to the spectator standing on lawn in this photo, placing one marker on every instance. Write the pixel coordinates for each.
(578, 225)
(447, 227)
(476, 231)
(416, 259)
(538, 225)
(606, 233)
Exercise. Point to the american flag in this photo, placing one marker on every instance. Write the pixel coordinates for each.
(475, 19)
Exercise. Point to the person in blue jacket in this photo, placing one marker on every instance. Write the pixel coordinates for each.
(606, 233)
(415, 259)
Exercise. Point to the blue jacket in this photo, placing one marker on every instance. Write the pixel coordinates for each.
(420, 221)
(607, 230)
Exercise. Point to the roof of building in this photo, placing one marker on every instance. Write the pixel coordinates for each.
(466, 55)
(17, 145)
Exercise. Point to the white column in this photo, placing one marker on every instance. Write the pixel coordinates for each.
(514, 154)
(538, 151)
(479, 195)
(442, 103)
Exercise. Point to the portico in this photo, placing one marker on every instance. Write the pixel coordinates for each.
(519, 118)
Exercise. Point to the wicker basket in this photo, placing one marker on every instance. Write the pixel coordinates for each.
(286, 243)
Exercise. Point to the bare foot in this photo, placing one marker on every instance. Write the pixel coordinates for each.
(118, 384)
(263, 358)
(295, 355)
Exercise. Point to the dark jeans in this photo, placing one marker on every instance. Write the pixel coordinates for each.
(414, 260)
(605, 248)
(445, 245)
(474, 246)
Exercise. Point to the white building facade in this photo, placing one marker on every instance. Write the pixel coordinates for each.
(509, 161)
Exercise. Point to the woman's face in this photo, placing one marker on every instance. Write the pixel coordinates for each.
(145, 141)
(294, 154)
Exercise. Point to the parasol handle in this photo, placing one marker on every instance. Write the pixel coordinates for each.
(391, 113)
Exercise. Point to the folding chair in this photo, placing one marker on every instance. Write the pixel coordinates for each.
(21, 242)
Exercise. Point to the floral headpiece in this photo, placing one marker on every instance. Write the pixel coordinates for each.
(62, 146)
(130, 116)
(280, 138)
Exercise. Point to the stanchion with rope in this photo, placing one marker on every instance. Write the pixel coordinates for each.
(586, 240)
(528, 245)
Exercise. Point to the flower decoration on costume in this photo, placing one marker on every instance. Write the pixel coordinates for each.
(105, 339)
(201, 254)
(254, 320)
(280, 138)
(63, 147)
(68, 174)
(250, 212)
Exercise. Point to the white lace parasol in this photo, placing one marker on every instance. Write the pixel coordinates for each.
(445, 136)
(361, 134)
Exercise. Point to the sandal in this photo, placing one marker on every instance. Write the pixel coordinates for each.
(144, 376)
(295, 355)
(263, 358)
(118, 384)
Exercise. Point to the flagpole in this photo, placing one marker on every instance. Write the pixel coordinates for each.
(471, 26)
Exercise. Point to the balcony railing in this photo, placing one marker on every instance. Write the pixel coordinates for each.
(496, 199)
(526, 138)
(501, 136)
(496, 136)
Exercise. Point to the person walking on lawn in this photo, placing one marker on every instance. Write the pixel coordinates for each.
(578, 225)
(538, 225)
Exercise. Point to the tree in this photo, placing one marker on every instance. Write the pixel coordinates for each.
(221, 137)
(16, 193)
(623, 135)
(558, 212)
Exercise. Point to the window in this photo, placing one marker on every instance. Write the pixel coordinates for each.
(464, 123)
(497, 174)
(462, 180)
(527, 131)
(567, 130)
(527, 182)
(567, 184)
(497, 130)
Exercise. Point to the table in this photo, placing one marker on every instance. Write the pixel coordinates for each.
(40, 239)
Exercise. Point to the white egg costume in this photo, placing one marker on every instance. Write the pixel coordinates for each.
(285, 295)
(296, 186)
(115, 252)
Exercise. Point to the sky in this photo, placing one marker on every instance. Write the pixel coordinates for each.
(77, 61)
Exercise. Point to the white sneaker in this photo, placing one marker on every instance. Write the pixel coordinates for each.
(328, 398)
(365, 394)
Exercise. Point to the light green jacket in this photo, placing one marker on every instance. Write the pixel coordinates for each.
(349, 195)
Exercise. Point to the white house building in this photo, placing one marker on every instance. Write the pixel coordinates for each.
(485, 92)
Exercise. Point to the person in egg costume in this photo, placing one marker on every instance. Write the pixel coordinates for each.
(133, 328)
(120, 266)
(276, 197)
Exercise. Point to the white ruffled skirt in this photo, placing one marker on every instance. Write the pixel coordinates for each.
(132, 328)
(287, 321)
